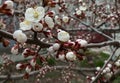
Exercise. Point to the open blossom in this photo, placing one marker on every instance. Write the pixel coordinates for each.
(71, 56)
(49, 22)
(37, 27)
(65, 19)
(25, 25)
(34, 14)
(20, 36)
(78, 12)
(63, 36)
(9, 4)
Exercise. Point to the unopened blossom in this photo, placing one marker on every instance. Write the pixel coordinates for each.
(33, 62)
(14, 50)
(37, 27)
(56, 46)
(34, 14)
(61, 57)
(109, 65)
(70, 56)
(92, 78)
(82, 42)
(20, 36)
(65, 19)
(117, 63)
(28, 69)
(51, 50)
(63, 36)
(9, 4)
(57, 20)
(98, 68)
(49, 22)
(19, 66)
(25, 25)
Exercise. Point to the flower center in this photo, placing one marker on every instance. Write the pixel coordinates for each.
(36, 14)
(26, 22)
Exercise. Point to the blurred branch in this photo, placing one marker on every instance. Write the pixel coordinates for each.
(55, 67)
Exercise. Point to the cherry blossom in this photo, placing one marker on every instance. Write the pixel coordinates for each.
(34, 14)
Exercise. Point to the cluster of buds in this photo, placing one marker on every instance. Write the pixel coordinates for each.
(6, 60)
(44, 70)
(7, 7)
(80, 11)
(79, 43)
(28, 52)
(69, 56)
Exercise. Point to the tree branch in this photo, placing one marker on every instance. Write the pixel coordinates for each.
(56, 67)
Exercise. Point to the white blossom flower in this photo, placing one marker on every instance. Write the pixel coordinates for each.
(37, 26)
(28, 69)
(71, 56)
(65, 19)
(25, 25)
(20, 36)
(82, 42)
(9, 4)
(56, 46)
(34, 14)
(61, 57)
(63, 36)
(78, 12)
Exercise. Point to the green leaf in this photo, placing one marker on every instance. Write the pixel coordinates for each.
(51, 61)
